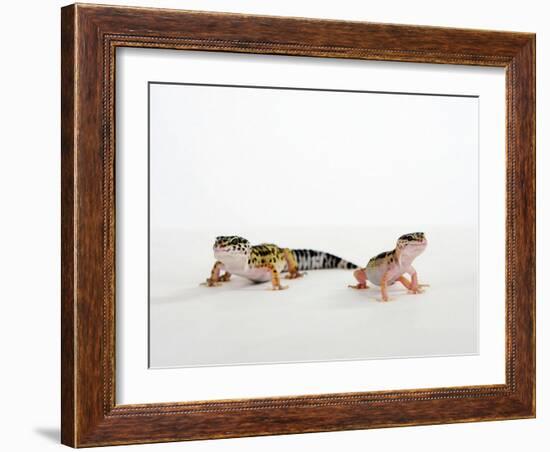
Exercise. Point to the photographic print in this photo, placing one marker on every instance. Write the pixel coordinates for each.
(292, 224)
(279, 225)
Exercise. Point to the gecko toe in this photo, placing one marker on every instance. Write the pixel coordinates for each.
(386, 299)
(358, 286)
(279, 287)
(210, 283)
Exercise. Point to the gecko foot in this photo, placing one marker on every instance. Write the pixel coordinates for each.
(211, 283)
(418, 289)
(294, 275)
(225, 277)
(359, 286)
(385, 300)
(279, 287)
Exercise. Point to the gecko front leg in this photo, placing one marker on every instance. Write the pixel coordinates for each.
(412, 286)
(292, 265)
(361, 276)
(215, 278)
(384, 286)
(415, 288)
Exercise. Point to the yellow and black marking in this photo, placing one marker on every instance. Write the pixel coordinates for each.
(384, 257)
(266, 254)
(269, 253)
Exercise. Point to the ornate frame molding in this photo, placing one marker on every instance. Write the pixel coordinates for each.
(90, 37)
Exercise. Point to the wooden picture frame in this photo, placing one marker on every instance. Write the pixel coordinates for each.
(90, 35)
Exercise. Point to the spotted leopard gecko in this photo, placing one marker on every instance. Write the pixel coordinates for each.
(260, 263)
(388, 267)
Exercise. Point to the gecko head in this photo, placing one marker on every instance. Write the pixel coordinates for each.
(412, 244)
(228, 246)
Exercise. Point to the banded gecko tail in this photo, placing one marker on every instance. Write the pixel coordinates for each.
(317, 260)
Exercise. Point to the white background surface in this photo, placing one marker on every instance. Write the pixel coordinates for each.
(30, 227)
(321, 168)
(137, 384)
(231, 158)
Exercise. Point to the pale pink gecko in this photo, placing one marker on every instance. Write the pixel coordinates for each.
(388, 267)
